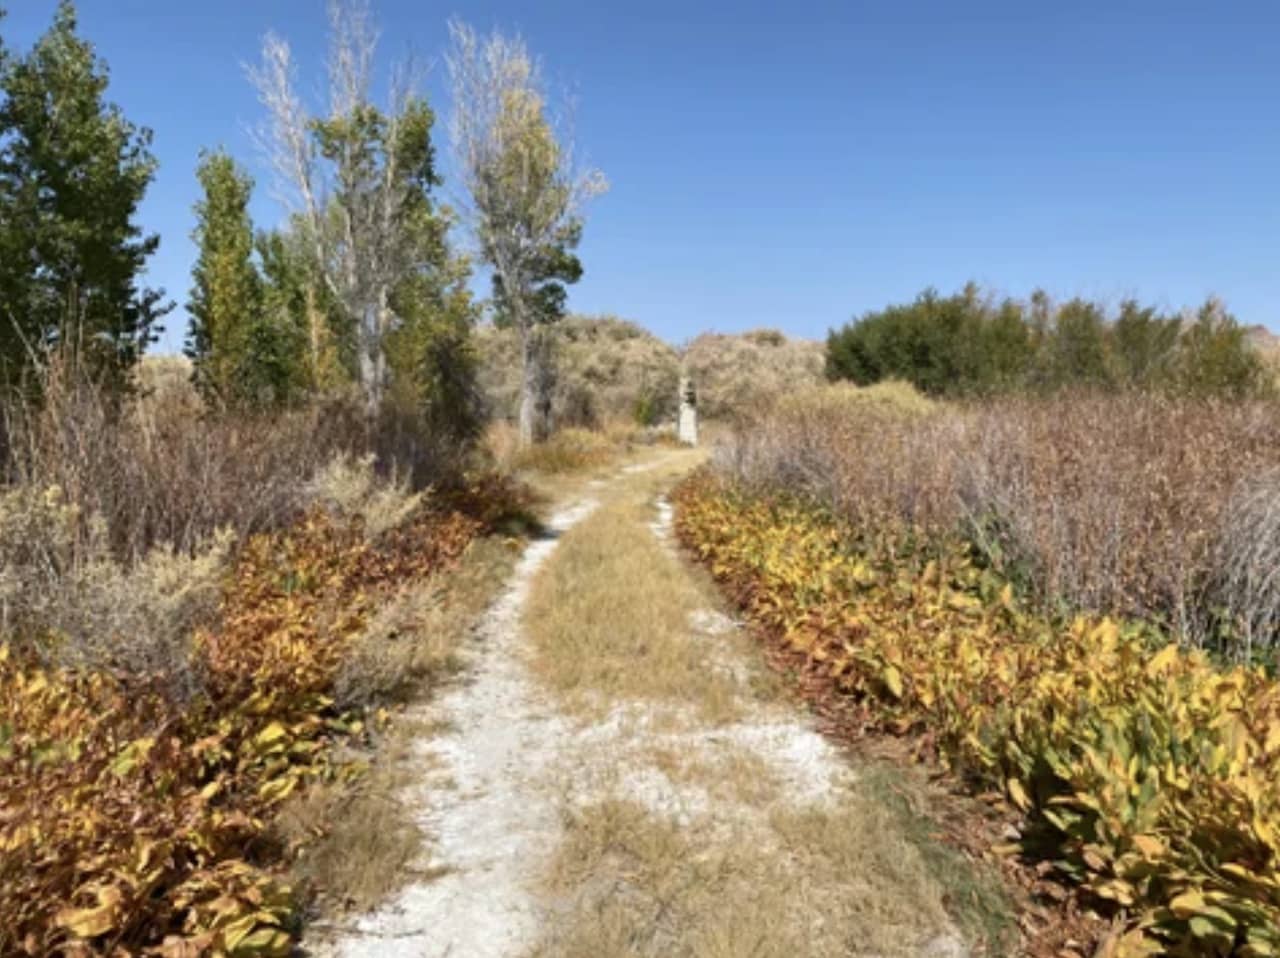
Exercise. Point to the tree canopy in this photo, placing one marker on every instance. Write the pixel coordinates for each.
(73, 171)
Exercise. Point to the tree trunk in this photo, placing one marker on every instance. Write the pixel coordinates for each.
(529, 386)
(370, 353)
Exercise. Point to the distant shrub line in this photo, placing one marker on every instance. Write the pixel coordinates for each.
(969, 344)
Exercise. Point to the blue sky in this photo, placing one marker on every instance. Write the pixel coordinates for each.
(793, 164)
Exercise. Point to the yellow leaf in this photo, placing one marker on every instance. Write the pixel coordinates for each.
(274, 789)
(1150, 846)
(131, 755)
(1273, 736)
(95, 921)
(1018, 794)
(1163, 659)
(1187, 904)
(268, 942)
(893, 680)
(272, 733)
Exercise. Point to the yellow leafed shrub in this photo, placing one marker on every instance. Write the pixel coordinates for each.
(1149, 775)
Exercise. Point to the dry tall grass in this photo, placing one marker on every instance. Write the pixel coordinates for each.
(1139, 505)
(117, 513)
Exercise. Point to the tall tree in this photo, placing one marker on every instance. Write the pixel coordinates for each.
(526, 194)
(356, 179)
(226, 303)
(1075, 351)
(72, 173)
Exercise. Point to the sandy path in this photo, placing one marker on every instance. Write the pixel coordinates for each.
(498, 783)
(490, 820)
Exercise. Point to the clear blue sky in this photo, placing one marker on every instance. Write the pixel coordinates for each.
(792, 164)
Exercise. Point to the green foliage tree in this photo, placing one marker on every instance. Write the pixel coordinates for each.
(1215, 359)
(295, 300)
(72, 173)
(235, 358)
(952, 345)
(1143, 345)
(1075, 353)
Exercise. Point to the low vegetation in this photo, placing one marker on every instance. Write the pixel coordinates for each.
(856, 886)
(351, 840)
(696, 793)
(138, 816)
(912, 557)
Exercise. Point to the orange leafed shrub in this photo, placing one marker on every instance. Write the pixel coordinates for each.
(131, 822)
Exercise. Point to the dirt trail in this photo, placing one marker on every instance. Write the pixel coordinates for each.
(513, 776)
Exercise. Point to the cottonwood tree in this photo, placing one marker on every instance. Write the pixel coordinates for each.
(358, 180)
(525, 195)
(73, 171)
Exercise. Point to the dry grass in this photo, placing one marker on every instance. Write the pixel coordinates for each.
(1117, 504)
(358, 840)
(816, 882)
(608, 617)
(569, 450)
(349, 488)
(707, 831)
(355, 842)
(65, 596)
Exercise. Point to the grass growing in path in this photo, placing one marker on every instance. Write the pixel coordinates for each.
(816, 882)
(727, 827)
(608, 617)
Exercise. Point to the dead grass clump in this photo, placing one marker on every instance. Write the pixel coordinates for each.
(353, 843)
(349, 488)
(609, 619)
(156, 472)
(817, 882)
(1245, 586)
(65, 597)
(569, 450)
